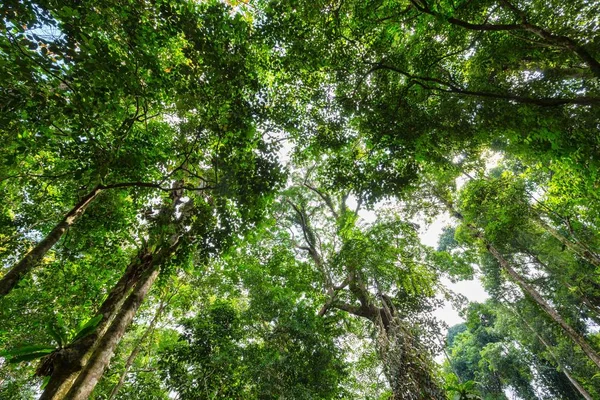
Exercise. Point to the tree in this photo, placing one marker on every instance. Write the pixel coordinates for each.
(374, 273)
(141, 151)
(226, 134)
(492, 353)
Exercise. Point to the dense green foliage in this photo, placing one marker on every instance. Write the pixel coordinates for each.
(230, 199)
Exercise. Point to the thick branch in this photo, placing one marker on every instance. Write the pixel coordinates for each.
(549, 38)
(326, 198)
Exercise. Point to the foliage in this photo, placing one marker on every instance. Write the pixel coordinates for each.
(276, 163)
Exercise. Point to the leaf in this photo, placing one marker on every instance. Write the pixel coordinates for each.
(28, 350)
(88, 327)
(469, 385)
(58, 338)
(45, 382)
(29, 357)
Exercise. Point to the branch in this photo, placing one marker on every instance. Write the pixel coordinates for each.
(554, 40)
(451, 88)
(152, 185)
(333, 292)
(13, 41)
(326, 198)
(361, 311)
(307, 232)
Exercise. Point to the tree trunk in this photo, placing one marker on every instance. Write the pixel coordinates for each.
(583, 252)
(577, 385)
(137, 350)
(66, 367)
(560, 365)
(82, 360)
(543, 304)
(528, 289)
(93, 370)
(60, 383)
(406, 364)
(35, 255)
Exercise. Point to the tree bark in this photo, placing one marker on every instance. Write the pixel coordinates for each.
(577, 385)
(560, 365)
(543, 304)
(35, 255)
(59, 384)
(406, 365)
(583, 252)
(136, 350)
(93, 370)
(145, 276)
(67, 365)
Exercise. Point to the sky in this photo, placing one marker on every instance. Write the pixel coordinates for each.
(472, 290)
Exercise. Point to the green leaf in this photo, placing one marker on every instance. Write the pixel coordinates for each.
(88, 327)
(29, 357)
(19, 351)
(45, 382)
(56, 335)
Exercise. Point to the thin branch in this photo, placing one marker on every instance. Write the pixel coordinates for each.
(326, 198)
(448, 87)
(307, 232)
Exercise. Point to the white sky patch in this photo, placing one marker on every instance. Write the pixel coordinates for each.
(368, 216)
(472, 290)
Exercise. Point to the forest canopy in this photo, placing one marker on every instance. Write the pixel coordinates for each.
(206, 199)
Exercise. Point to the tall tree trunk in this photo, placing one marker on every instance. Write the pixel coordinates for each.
(136, 350)
(527, 288)
(93, 370)
(69, 361)
(406, 364)
(75, 359)
(580, 249)
(577, 385)
(543, 304)
(560, 365)
(35, 255)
